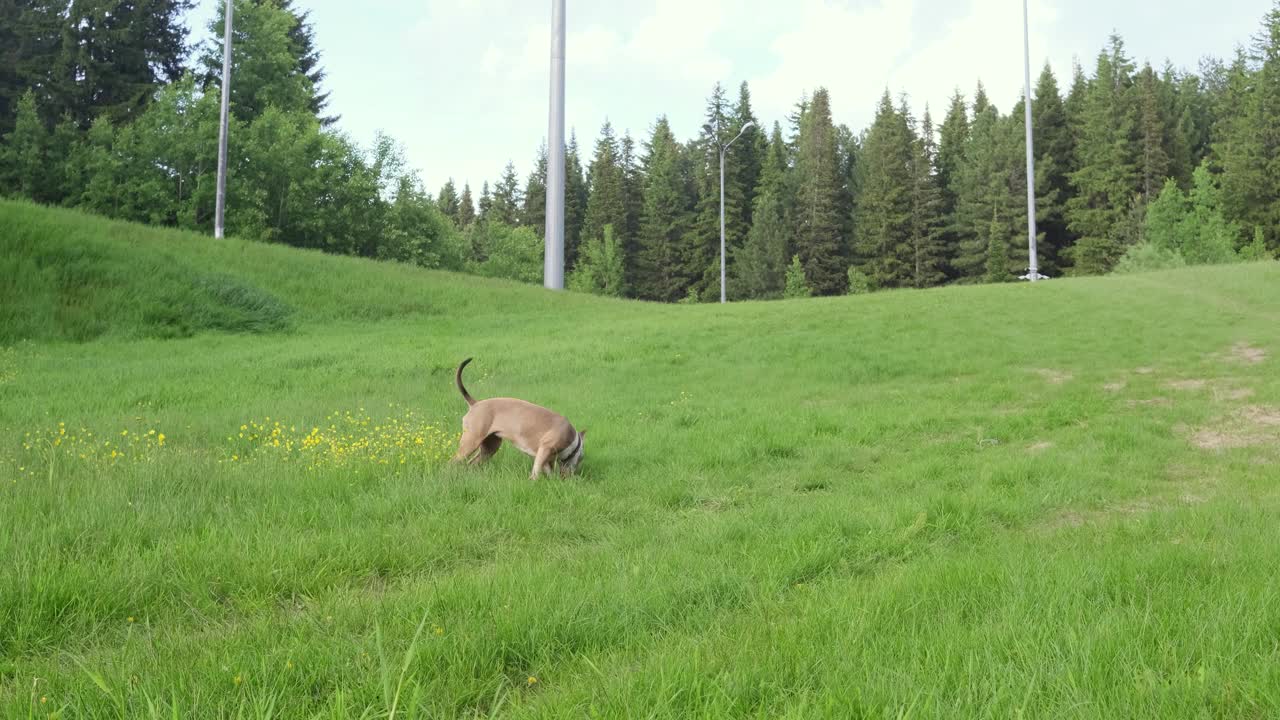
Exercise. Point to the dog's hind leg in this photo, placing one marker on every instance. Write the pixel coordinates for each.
(488, 447)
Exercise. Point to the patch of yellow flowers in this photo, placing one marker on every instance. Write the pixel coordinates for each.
(83, 444)
(345, 437)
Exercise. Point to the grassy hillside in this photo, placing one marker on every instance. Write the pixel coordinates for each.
(1048, 501)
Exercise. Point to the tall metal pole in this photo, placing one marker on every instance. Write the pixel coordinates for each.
(722, 149)
(553, 262)
(220, 208)
(1033, 270)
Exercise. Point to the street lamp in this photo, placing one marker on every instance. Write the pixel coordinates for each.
(1033, 271)
(723, 149)
(553, 253)
(220, 201)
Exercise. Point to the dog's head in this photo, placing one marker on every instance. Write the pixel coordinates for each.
(573, 456)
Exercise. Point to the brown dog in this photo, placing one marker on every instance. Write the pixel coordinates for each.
(545, 436)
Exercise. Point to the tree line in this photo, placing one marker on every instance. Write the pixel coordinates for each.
(104, 107)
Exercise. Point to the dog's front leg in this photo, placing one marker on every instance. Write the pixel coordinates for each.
(540, 461)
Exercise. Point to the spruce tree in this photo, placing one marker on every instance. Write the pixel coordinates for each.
(484, 206)
(819, 241)
(1179, 98)
(466, 208)
(600, 270)
(928, 219)
(606, 203)
(1108, 177)
(302, 42)
(797, 285)
(265, 68)
(575, 200)
(30, 42)
(997, 249)
(953, 139)
(1209, 238)
(533, 213)
(632, 200)
(1153, 160)
(668, 258)
(1054, 150)
(506, 197)
(447, 201)
(1074, 106)
(717, 129)
(747, 154)
(1251, 146)
(981, 188)
(112, 56)
(884, 224)
(23, 156)
(758, 268)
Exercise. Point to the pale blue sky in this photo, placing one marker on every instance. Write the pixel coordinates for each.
(463, 84)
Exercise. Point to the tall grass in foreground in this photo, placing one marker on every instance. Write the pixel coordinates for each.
(1050, 501)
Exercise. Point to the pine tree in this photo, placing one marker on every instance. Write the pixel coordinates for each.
(981, 187)
(606, 203)
(302, 41)
(747, 155)
(632, 201)
(997, 249)
(113, 56)
(1108, 177)
(265, 67)
(819, 242)
(1074, 105)
(1256, 250)
(797, 286)
(1208, 238)
(1166, 218)
(447, 201)
(758, 269)
(716, 131)
(953, 139)
(30, 42)
(575, 200)
(668, 258)
(506, 197)
(533, 214)
(484, 206)
(1250, 148)
(928, 253)
(775, 168)
(1153, 161)
(1179, 98)
(466, 208)
(24, 170)
(884, 225)
(600, 269)
(1054, 149)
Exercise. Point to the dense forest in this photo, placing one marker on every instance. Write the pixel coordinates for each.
(104, 106)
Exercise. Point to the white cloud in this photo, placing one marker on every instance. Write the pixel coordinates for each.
(849, 51)
(858, 53)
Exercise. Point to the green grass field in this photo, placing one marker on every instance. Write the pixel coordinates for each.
(223, 494)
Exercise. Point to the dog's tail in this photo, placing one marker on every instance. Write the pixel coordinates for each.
(457, 380)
